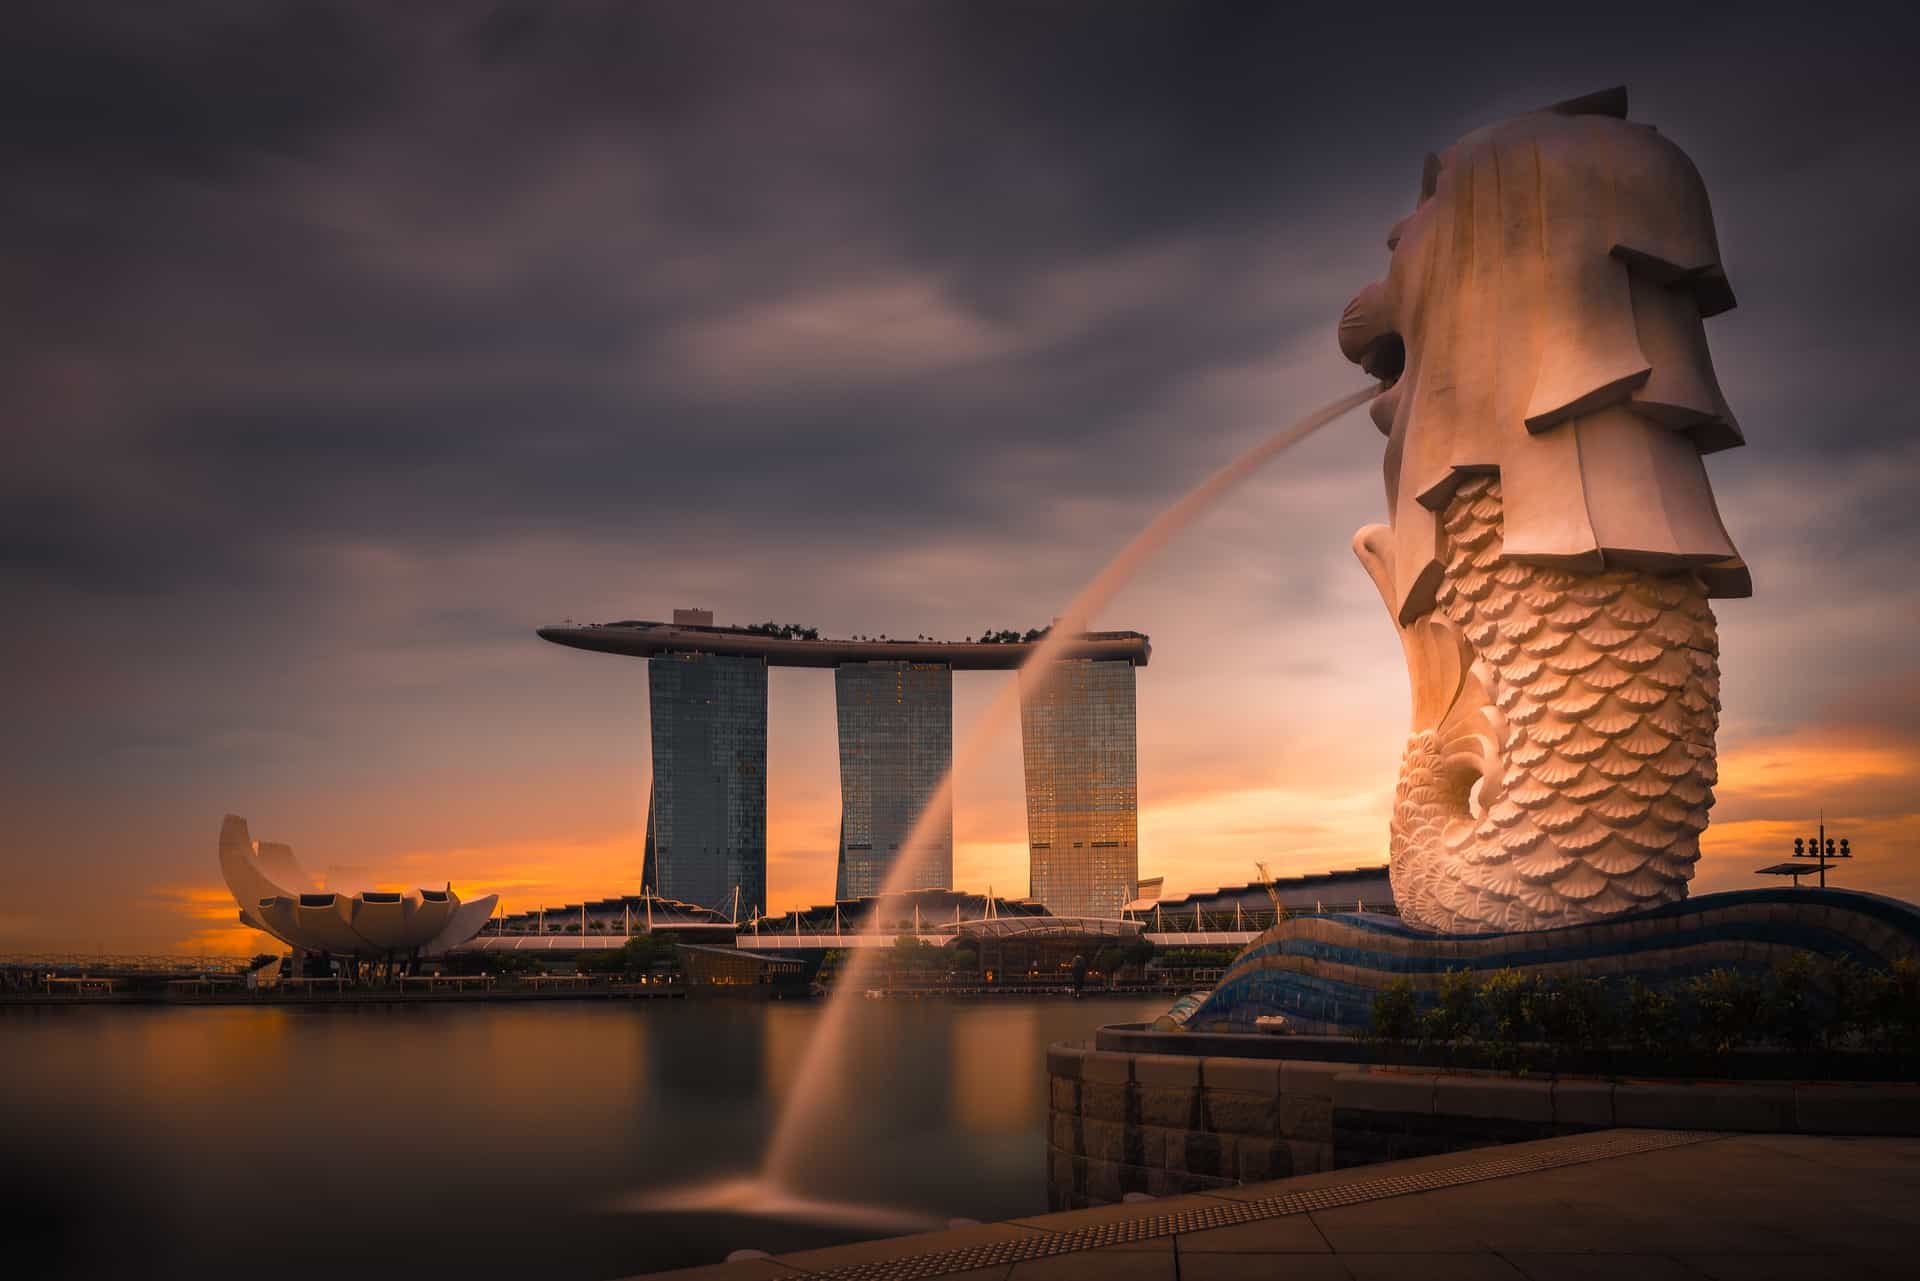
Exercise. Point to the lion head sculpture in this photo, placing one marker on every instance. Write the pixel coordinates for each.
(1541, 318)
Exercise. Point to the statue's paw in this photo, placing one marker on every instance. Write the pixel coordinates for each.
(1374, 546)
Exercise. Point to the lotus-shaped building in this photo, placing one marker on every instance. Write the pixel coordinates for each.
(277, 896)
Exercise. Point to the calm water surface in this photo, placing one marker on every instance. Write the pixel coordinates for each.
(444, 1141)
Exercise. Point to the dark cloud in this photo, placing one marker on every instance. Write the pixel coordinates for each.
(389, 271)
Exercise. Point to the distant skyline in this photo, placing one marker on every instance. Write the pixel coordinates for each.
(364, 339)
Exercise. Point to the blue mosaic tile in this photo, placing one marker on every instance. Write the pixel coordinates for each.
(1391, 949)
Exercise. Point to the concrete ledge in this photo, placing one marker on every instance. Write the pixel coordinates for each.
(1858, 1109)
(1107, 1067)
(1173, 1070)
(1300, 1077)
(1583, 1103)
(1375, 1091)
(1504, 1098)
(1709, 1106)
(1063, 1060)
(1245, 1076)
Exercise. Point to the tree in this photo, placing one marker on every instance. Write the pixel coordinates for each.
(1456, 1013)
(645, 953)
(1396, 1014)
(910, 953)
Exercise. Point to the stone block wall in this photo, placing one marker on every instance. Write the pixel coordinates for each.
(1162, 1124)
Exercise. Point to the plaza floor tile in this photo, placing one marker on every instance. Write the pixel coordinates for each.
(1263, 1267)
(1099, 1265)
(1602, 1267)
(1430, 1266)
(1294, 1234)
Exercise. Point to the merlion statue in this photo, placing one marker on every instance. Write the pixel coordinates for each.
(1552, 543)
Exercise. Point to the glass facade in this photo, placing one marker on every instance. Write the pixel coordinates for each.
(707, 816)
(1078, 740)
(896, 744)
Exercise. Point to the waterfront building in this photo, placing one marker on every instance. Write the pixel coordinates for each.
(1078, 741)
(708, 965)
(908, 912)
(1251, 906)
(278, 897)
(896, 745)
(707, 815)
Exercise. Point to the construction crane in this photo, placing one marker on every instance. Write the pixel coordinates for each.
(1273, 895)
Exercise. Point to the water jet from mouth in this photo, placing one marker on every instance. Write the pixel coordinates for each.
(801, 1118)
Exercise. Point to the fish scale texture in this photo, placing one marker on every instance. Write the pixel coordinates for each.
(1602, 693)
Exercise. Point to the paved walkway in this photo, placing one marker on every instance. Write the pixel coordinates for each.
(1644, 1204)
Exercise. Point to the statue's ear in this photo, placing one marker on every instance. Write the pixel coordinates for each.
(1631, 268)
(1590, 354)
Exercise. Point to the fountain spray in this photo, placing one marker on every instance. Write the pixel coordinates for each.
(785, 1164)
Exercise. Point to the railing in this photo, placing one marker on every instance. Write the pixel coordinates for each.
(1197, 921)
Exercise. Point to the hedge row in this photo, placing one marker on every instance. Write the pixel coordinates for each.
(1510, 1019)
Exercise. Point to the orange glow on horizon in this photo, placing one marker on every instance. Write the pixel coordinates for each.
(1199, 827)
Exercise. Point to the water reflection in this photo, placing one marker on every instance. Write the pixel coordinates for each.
(988, 1099)
(445, 1141)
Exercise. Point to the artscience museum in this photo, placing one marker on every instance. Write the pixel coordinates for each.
(277, 896)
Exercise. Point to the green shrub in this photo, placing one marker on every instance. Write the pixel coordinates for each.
(1652, 1022)
(1727, 1009)
(1395, 1016)
(1506, 1008)
(1893, 1004)
(1455, 1012)
(1802, 1004)
(1850, 988)
(1793, 1016)
(1574, 1014)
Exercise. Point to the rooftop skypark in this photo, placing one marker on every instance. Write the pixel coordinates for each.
(794, 645)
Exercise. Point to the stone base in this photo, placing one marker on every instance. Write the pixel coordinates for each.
(1322, 972)
(1164, 1124)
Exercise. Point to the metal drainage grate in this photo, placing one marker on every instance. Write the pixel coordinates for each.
(1041, 1243)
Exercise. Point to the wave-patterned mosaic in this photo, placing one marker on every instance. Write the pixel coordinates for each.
(1321, 972)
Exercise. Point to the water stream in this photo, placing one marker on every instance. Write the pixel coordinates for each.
(805, 1117)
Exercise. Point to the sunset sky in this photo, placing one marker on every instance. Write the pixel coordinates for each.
(350, 343)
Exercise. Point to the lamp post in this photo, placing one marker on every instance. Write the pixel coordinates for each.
(1822, 848)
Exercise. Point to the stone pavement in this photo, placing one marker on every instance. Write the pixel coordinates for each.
(1649, 1205)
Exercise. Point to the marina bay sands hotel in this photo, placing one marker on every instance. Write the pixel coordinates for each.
(707, 815)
